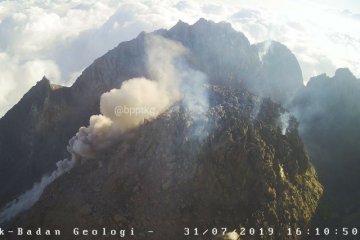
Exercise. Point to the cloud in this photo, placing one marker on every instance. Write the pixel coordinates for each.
(308, 32)
(31, 28)
(17, 77)
(30, 32)
(67, 36)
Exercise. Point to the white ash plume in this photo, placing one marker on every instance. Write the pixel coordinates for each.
(256, 106)
(283, 122)
(264, 50)
(137, 99)
(30, 197)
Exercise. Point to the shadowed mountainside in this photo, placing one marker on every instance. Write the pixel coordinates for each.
(328, 109)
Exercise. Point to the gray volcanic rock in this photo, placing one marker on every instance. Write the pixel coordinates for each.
(218, 50)
(227, 168)
(280, 75)
(268, 69)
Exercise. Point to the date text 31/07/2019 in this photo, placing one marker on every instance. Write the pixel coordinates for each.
(269, 231)
(197, 231)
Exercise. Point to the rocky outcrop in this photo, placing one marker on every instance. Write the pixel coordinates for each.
(280, 76)
(218, 50)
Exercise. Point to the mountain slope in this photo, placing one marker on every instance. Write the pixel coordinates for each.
(26, 135)
(233, 166)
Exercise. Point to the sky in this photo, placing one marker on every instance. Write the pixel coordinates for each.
(60, 38)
